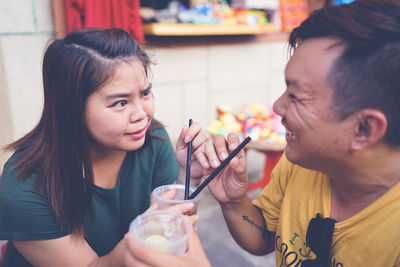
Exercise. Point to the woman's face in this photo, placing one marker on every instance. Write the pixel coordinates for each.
(119, 114)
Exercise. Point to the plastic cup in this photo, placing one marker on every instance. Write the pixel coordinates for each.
(164, 230)
(163, 193)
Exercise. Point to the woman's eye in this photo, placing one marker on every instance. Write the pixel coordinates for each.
(119, 104)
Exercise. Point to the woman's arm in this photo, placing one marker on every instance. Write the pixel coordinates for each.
(68, 251)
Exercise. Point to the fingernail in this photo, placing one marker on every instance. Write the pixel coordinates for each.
(224, 155)
(205, 165)
(215, 163)
(187, 139)
(232, 146)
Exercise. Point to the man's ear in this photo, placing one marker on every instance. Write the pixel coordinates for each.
(370, 128)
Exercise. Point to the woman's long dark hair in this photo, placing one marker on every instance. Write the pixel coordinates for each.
(56, 150)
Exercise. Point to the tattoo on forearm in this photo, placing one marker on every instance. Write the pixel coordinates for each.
(263, 230)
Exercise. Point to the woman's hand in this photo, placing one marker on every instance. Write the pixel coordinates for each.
(141, 255)
(184, 208)
(204, 157)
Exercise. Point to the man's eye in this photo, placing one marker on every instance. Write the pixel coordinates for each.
(146, 92)
(292, 96)
(119, 104)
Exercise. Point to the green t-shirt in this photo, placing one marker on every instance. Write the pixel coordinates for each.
(26, 214)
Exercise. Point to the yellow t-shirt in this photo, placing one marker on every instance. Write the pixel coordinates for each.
(295, 195)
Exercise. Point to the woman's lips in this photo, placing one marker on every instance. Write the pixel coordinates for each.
(139, 134)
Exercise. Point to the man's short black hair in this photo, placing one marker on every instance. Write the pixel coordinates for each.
(367, 74)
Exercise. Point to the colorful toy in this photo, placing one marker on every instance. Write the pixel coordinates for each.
(253, 121)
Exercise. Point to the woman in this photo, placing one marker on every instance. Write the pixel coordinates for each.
(76, 181)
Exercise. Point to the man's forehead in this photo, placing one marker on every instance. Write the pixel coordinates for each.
(321, 45)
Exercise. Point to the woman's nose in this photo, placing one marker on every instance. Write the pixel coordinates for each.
(137, 113)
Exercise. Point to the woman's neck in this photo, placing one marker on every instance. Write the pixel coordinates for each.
(106, 168)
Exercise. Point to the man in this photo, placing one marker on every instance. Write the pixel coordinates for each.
(334, 197)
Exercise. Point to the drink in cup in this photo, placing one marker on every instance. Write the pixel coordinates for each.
(173, 194)
(164, 230)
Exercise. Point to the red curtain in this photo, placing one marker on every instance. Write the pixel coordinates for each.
(122, 14)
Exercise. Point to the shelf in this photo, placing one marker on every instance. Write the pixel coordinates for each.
(182, 29)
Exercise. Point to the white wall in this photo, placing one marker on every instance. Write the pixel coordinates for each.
(188, 81)
(25, 27)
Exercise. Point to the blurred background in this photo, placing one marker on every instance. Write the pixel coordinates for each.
(218, 62)
(226, 56)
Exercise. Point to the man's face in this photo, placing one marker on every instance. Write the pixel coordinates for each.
(315, 134)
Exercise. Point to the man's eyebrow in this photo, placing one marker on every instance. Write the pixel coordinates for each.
(292, 83)
(299, 86)
(148, 87)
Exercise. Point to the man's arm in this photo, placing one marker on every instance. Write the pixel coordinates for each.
(247, 226)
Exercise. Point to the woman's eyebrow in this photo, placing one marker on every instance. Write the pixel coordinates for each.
(119, 95)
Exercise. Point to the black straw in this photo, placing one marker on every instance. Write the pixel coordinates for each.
(219, 168)
(188, 163)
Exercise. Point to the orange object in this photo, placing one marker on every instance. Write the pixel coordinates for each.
(2, 253)
(272, 152)
(271, 159)
(293, 12)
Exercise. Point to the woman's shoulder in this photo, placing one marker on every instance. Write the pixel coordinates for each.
(17, 192)
(25, 213)
(11, 180)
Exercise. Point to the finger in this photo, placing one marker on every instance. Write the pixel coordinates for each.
(201, 158)
(169, 194)
(181, 144)
(221, 146)
(183, 208)
(238, 163)
(212, 155)
(194, 218)
(152, 207)
(192, 132)
(200, 139)
(233, 141)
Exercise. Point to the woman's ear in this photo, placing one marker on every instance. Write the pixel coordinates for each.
(370, 128)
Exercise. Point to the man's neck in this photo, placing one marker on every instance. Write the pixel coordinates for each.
(361, 183)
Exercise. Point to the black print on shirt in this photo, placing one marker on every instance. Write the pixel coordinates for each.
(295, 258)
